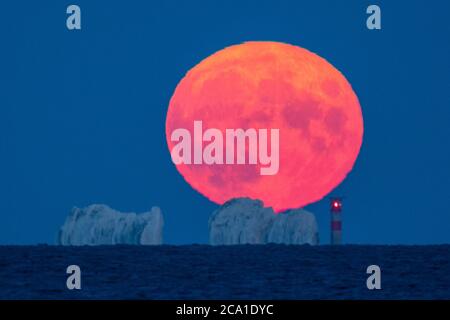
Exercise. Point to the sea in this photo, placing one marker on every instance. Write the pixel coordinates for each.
(262, 272)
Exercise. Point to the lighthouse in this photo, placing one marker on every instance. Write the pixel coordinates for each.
(336, 221)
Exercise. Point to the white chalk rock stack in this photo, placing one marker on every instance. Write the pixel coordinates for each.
(100, 225)
(247, 221)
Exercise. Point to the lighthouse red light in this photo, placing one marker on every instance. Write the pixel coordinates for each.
(336, 205)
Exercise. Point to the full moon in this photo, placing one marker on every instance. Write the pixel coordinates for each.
(267, 85)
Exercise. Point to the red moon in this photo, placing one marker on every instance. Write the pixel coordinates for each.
(266, 85)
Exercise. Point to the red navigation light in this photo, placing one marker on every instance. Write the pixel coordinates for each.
(336, 205)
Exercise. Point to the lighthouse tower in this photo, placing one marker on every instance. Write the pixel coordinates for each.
(336, 221)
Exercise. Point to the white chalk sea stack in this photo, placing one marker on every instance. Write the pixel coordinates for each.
(247, 221)
(98, 224)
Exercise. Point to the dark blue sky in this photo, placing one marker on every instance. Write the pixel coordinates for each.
(82, 113)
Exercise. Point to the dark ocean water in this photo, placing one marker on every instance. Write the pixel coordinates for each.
(232, 272)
